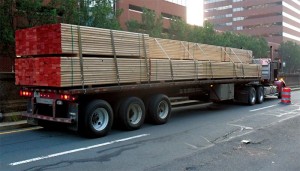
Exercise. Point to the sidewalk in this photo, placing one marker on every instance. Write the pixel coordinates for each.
(10, 125)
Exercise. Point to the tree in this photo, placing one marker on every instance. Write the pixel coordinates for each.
(290, 54)
(178, 29)
(133, 26)
(151, 23)
(34, 13)
(7, 29)
(94, 13)
(19, 14)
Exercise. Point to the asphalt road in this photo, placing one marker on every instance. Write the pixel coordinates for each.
(199, 137)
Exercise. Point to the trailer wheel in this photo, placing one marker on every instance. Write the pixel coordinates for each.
(98, 119)
(251, 96)
(131, 113)
(159, 109)
(260, 95)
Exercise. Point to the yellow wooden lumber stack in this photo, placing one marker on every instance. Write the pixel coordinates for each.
(174, 49)
(101, 71)
(97, 41)
(238, 55)
(139, 58)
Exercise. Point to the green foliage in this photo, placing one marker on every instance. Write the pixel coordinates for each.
(6, 26)
(94, 13)
(290, 54)
(151, 23)
(178, 29)
(19, 14)
(133, 26)
(102, 15)
(34, 13)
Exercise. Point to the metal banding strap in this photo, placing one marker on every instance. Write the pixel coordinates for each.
(171, 66)
(80, 55)
(115, 56)
(146, 58)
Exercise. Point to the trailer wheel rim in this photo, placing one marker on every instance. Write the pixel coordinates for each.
(252, 98)
(100, 119)
(134, 113)
(163, 109)
(261, 97)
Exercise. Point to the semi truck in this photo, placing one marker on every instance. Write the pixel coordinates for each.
(93, 109)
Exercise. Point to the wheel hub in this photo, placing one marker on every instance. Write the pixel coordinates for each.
(134, 113)
(100, 119)
(163, 109)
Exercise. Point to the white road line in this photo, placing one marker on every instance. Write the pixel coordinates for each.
(241, 126)
(76, 150)
(193, 146)
(262, 108)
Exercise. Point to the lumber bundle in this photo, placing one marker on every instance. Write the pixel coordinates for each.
(174, 49)
(63, 39)
(238, 55)
(138, 58)
(65, 71)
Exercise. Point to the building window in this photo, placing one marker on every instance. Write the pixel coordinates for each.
(238, 9)
(212, 1)
(238, 18)
(239, 28)
(219, 8)
(237, 0)
(169, 16)
(229, 24)
(135, 8)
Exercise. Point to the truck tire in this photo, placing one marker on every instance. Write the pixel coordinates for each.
(260, 95)
(98, 119)
(131, 113)
(159, 109)
(279, 95)
(251, 96)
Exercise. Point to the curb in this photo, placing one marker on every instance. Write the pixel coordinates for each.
(295, 89)
(6, 126)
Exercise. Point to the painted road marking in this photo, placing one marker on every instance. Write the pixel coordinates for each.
(262, 108)
(20, 130)
(76, 150)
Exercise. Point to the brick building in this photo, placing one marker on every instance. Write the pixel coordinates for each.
(276, 20)
(133, 9)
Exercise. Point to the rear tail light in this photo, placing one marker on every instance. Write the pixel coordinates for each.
(25, 93)
(67, 97)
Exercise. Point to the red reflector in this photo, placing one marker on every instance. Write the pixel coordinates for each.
(25, 93)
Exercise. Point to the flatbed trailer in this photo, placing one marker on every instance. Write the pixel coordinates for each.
(134, 82)
(93, 110)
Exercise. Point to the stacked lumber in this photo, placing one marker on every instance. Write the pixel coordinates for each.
(248, 70)
(65, 71)
(174, 49)
(238, 55)
(166, 48)
(54, 58)
(37, 71)
(206, 52)
(63, 39)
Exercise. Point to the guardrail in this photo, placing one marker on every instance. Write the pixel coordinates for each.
(291, 79)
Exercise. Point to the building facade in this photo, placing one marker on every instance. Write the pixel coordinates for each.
(276, 20)
(133, 9)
